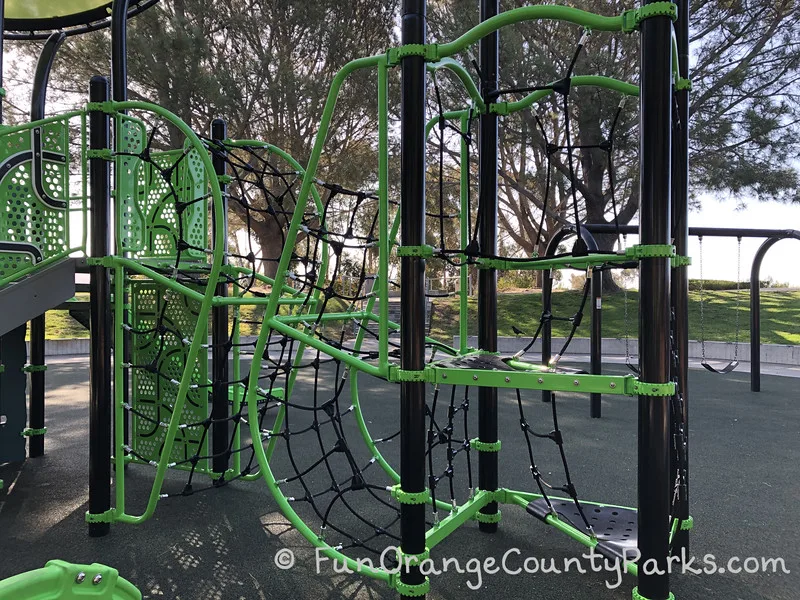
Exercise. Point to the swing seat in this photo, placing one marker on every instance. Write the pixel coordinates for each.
(614, 526)
(721, 367)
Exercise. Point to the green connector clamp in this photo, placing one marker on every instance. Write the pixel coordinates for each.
(642, 388)
(31, 432)
(103, 153)
(104, 517)
(430, 52)
(638, 596)
(631, 19)
(106, 107)
(34, 368)
(488, 518)
(687, 524)
(683, 84)
(2, 368)
(412, 560)
(3, 92)
(640, 251)
(499, 108)
(484, 446)
(402, 497)
(423, 251)
(102, 261)
(224, 179)
(411, 591)
(681, 261)
(397, 375)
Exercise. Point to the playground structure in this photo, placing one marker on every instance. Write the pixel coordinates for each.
(168, 278)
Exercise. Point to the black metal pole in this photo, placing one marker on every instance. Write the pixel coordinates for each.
(412, 276)
(220, 340)
(596, 339)
(36, 417)
(547, 294)
(680, 276)
(487, 278)
(119, 93)
(654, 304)
(755, 308)
(100, 314)
(36, 400)
(119, 50)
(547, 326)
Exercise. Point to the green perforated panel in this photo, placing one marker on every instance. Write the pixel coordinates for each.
(34, 221)
(149, 223)
(153, 394)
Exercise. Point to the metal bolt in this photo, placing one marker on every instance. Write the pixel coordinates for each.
(444, 375)
(576, 382)
(612, 385)
(508, 379)
(97, 579)
(540, 380)
(474, 378)
(80, 577)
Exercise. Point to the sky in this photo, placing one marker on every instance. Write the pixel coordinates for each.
(720, 254)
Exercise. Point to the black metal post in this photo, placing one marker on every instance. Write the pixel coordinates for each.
(119, 93)
(596, 339)
(36, 418)
(654, 304)
(680, 276)
(487, 278)
(755, 312)
(119, 50)
(220, 340)
(36, 413)
(547, 297)
(412, 277)
(100, 399)
(547, 326)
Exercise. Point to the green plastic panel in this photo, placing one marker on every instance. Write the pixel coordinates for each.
(32, 225)
(153, 395)
(149, 226)
(59, 580)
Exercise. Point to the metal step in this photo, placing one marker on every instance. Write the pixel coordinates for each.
(31, 296)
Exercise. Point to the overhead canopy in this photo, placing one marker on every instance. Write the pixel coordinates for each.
(73, 16)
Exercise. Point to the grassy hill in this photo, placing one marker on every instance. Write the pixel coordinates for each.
(780, 316)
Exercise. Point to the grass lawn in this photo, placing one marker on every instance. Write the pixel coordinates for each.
(780, 316)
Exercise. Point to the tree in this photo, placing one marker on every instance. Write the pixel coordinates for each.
(744, 111)
(263, 65)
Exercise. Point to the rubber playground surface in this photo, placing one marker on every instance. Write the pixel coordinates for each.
(222, 544)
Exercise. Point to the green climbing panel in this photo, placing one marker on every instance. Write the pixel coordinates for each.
(34, 195)
(149, 224)
(60, 580)
(154, 390)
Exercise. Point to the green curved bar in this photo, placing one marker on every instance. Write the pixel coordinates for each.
(58, 580)
(600, 81)
(530, 13)
(463, 75)
(205, 308)
(449, 115)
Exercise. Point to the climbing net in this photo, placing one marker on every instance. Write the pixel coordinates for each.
(305, 276)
